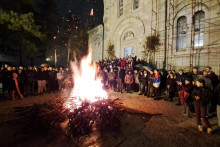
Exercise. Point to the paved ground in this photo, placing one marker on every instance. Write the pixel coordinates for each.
(163, 125)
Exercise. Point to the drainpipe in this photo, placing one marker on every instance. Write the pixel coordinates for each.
(165, 40)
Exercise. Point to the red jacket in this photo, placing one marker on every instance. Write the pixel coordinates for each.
(123, 63)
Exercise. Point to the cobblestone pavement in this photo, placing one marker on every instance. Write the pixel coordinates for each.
(163, 125)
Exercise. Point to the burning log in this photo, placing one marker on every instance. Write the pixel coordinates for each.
(105, 115)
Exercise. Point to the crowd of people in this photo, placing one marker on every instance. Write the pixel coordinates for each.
(32, 81)
(198, 91)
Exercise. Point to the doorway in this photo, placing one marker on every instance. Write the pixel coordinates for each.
(128, 51)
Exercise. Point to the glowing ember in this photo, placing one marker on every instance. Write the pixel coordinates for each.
(87, 87)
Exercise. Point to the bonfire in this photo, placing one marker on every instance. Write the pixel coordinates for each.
(88, 105)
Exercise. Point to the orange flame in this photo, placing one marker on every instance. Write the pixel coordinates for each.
(87, 87)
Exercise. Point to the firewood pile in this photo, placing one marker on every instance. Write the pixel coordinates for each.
(103, 115)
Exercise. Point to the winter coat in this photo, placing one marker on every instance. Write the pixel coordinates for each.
(31, 75)
(205, 95)
(150, 79)
(212, 76)
(208, 82)
(144, 80)
(123, 63)
(128, 79)
(217, 94)
(181, 78)
(136, 78)
(111, 76)
(120, 74)
(172, 84)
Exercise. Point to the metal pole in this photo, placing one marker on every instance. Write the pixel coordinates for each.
(55, 56)
(165, 41)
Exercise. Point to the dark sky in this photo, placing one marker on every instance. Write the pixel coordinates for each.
(82, 9)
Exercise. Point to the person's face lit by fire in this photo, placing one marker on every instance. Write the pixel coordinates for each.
(208, 70)
(171, 76)
(198, 84)
(180, 72)
(205, 73)
(195, 71)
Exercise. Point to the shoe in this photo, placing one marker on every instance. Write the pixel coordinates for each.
(156, 99)
(200, 128)
(178, 104)
(209, 130)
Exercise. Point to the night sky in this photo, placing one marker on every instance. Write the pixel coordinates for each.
(52, 17)
(82, 9)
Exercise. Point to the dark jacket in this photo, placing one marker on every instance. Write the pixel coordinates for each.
(121, 74)
(204, 93)
(217, 94)
(42, 75)
(111, 76)
(172, 84)
(31, 75)
(145, 80)
(151, 79)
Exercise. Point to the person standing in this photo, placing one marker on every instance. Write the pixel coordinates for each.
(150, 87)
(60, 78)
(21, 81)
(120, 78)
(144, 83)
(217, 95)
(51, 80)
(15, 86)
(201, 96)
(128, 81)
(156, 84)
(41, 83)
(171, 86)
(31, 77)
(136, 81)
(180, 79)
(140, 78)
(111, 79)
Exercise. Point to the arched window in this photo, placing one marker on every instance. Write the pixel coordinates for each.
(135, 4)
(181, 33)
(121, 7)
(199, 28)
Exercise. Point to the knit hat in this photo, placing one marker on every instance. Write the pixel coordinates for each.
(201, 81)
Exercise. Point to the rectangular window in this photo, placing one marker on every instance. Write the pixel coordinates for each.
(199, 28)
(198, 40)
(181, 42)
(120, 7)
(136, 4)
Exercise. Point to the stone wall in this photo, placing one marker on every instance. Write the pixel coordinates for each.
(139, 23)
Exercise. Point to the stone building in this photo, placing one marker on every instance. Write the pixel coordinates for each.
(189, 31)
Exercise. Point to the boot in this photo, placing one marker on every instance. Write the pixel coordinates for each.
(209, 130)
(200, 128)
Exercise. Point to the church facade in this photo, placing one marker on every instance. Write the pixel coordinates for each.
(189, 31)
